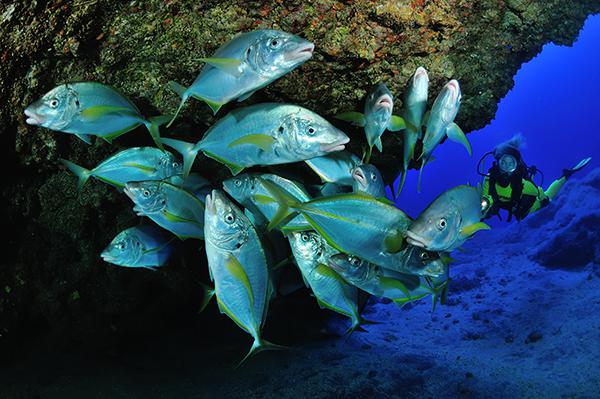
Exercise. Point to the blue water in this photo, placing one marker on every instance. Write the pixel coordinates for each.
(554, 104)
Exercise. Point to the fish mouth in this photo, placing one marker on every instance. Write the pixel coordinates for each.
(33, 118)
(338, 145)
(385, 101)
(107, 257)
(129, 193)
(359, 176)
(454, 88)
(335, 266)
(210, 204)
(302, 53)
(421, 73)
(415, 239)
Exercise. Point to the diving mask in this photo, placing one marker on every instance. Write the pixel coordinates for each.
(507, 164)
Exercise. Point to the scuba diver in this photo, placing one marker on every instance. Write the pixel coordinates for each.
(509, 183)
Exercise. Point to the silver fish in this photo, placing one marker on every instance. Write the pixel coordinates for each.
(264, 134)
(247, 63)
(140, 246)
(89, 108)
(440, 122)
(377, 117)
(368, 180)
(170, 206)
(249, 190)
(132, 164)
(414, 105)
(448, 221)
(238, 266)
(311, 252)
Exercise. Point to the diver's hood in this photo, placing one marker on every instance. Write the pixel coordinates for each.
(507, 150)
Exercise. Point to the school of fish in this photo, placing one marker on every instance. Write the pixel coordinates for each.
(345, 237)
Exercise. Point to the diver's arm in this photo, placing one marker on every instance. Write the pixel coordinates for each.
(486, 199)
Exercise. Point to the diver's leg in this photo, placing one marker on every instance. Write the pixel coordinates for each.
(558, 183)
(555, 187)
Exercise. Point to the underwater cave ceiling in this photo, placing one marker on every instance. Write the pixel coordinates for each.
(138, 46)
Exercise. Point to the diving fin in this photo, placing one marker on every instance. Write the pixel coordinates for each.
(568, 172)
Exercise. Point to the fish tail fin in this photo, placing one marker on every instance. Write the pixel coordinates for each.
(392, 189)
(285, 201)
(357, 324)
(82, 173)
(420, 175)
(401, 185)
(367, 154)
(153, 124)
(260, 345)
(181, 92)
(378, 144)
(208, 294)
(354, 327)
(187, 150)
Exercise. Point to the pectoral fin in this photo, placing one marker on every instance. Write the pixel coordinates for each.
(468, 231)
(391, 283)
(262, 141)
(356, 118)
(396, 123)
(236, 270)
(228, 65)
(455, 133)
(328, 272)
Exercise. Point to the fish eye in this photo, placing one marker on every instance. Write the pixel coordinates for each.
(373, 177)
(237, 182)
(354, 261)
(122, 246)
(53, 103)
(175, 164)
(229, 218)
(441, 224)
(304, 237)
(146, 193)
(424, 256)
(274, 43)
(311, 131)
